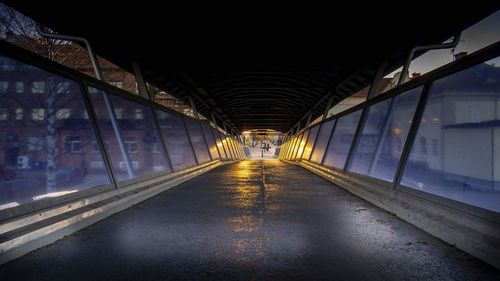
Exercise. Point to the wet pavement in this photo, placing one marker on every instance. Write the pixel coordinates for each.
(252, 220)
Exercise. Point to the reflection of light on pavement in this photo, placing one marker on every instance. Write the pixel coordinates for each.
(9, 205)
(54, 194)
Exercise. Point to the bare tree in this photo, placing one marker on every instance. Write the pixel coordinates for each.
(21, 30)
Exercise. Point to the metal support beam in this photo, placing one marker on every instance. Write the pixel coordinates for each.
(406, 66)
(98, 74)
(213, 119)
(376, 80)
(383, 135)
(308, 120)
(193, 107)
(199, 94)
(327, 108)
(141, 83)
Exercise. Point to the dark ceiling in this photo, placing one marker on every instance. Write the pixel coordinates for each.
(256, 67)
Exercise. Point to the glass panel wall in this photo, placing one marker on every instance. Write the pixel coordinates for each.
(176, 138)
(223, 138)
(455, 151)
(383, 136)
(135, 125)
(321, 141)
(230, 144)
(48, 147)
(301, 145)
(310, 142)
(341, 140)
(294, 146)
(198, 140)
(220, 147)
(291, 142)
(210, 141)
(235, 148)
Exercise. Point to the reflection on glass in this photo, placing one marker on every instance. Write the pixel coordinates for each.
(235, 148)
(135, 125)
(322, 140)
(220, 147)
(301, 145)
(351, 101)
(310, 143)
(176, 139)
(294, 147)
(47, 143)
(341, 140)
(458, 141)
(230, 144)
(198, 140)
(210, 141)
(223, 138)
(472, 39)
(289, 151)
(383, 136)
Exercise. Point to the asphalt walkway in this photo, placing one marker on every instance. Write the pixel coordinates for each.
(252, 220)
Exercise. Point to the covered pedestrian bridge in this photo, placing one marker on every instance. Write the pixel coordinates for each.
(140, 146)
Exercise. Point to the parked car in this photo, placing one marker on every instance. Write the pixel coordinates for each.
(6, 174)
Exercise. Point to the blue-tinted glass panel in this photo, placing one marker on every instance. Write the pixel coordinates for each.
(140, 137)
(322, 141)
(310, 142)
(175, 136)
(48, 147)
(455, 153)
(198, 140)
(383, 136)
(210, 141)
(341, 140)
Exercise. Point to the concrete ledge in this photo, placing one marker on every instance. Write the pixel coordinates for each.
(22, 235)
(471, 229)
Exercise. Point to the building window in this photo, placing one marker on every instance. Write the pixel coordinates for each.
(119, 113)
(63, 113)
(96, 164)
(38, 114)
(4, 113)
(97, 149)
(38, 87)
(62, 87)
(19, 113)
(135, 165)
(35, 143)
(138, 114)
(156, 148)
(19, 87)
(131, 144)
(473, 115)
(72, 144)
(4, 87)
(435, 149)
(423, 146)
(117, 84)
